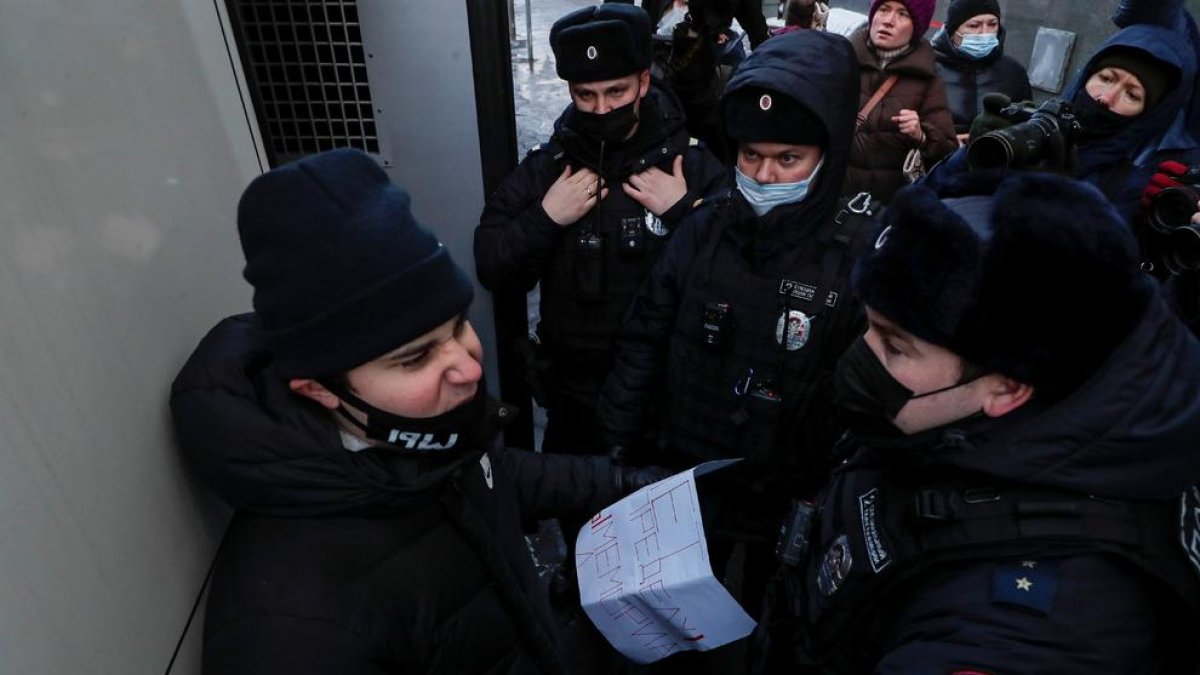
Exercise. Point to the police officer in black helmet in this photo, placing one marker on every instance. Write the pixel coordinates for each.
(587, 213)
(1021, 453)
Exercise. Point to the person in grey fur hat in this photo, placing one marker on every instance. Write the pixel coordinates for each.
(1022, 416)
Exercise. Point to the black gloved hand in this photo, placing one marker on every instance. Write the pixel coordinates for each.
(991, 118)
(629, 479)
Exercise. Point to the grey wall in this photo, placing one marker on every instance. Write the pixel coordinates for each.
(1089, 20)
(125, 146)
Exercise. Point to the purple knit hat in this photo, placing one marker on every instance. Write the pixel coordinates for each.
(921, 11)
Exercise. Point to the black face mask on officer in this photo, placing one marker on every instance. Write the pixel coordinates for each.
(610, 127)
(459, 430)
(870, 396)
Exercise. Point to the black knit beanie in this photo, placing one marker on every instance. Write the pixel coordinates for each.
(342, 273)
(756, 114)
(961, 10)
(1034, 276)
(604, 42)
(1157, 78)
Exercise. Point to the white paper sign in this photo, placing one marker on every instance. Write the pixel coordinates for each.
(645, 579)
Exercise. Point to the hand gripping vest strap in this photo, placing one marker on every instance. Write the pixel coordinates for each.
(893, 533)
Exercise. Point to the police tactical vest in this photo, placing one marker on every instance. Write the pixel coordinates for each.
(749, 349)
(601, 260)
(875, 533)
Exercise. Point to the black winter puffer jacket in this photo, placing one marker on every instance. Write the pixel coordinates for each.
(368, 562)
(967, 79)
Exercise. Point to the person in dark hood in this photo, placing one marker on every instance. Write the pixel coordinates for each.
(377, 525)
(588, 213)
(970, 59)
(1020, 482)
(738, 327)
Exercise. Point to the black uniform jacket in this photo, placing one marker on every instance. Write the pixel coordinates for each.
(822, 74)
(967, 79)
(1130, 433)
(366, 562)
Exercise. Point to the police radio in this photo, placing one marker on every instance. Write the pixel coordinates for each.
(716, 323)
(589, 265)
(633, 236)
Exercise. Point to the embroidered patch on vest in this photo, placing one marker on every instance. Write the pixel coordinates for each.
(793, 329)
(835, 566)
(655, 225)
(807, 292)
(485, 463)
(1189, 525)
(1029, 584)
(877, 553)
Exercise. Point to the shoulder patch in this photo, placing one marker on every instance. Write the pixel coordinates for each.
(1028, 584)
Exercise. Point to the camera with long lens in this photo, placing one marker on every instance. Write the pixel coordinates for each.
(1175, 238)
(1038, 138)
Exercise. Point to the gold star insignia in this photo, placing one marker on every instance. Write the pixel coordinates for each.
(1024, 584)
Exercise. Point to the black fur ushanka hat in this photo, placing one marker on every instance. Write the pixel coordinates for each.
(1034, 276)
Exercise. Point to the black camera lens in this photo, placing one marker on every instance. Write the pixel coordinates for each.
(1183, 248)
(1173, 208)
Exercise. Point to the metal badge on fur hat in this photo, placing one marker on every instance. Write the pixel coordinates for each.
(757, 114)
(1034, 276)
(601, 43)
(342, 273)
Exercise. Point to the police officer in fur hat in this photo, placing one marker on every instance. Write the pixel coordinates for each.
(586, 214)
(377, 525)
(740, 323)
(1023, 416)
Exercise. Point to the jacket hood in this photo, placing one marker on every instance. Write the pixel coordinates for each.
(1131, 432)
(948, 55)
(267, 450)
(1163, 127)
(804, 66)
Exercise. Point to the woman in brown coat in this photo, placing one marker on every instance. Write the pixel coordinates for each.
(913, 113)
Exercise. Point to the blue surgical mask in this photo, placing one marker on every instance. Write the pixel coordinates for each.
(979, 45)
(764, 197)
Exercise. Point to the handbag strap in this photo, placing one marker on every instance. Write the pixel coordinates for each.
(861, 117)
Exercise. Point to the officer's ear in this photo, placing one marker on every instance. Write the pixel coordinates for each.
(1003, 394)
(315, 391)
(644, 83)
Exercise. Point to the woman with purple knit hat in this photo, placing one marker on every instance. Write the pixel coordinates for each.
(894, 57)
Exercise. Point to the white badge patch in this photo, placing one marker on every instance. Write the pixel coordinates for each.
(654, 224)
(485, 463)
(793, 329)
(765, 102)
(592, 53)
(835, 566)
(877, 553)
(883, 237)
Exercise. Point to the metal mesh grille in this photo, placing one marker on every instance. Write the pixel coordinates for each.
(306, 64)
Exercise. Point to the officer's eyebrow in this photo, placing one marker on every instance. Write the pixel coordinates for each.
(410, 350)
(890, 331)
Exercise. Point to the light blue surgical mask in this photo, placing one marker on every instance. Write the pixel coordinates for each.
(979, 45)
(764, 197)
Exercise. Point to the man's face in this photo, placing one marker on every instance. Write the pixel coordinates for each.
(924, 367)
(428, 376)
(770, 163)
(602, 96)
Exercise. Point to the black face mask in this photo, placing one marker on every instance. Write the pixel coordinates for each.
(456, 431)
(611, 127)
(869, 395)
(1096, 120)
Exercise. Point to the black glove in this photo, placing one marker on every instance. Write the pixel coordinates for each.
(629, 479)
(991, 118)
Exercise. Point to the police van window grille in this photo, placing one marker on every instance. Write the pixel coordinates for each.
(307, 67)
